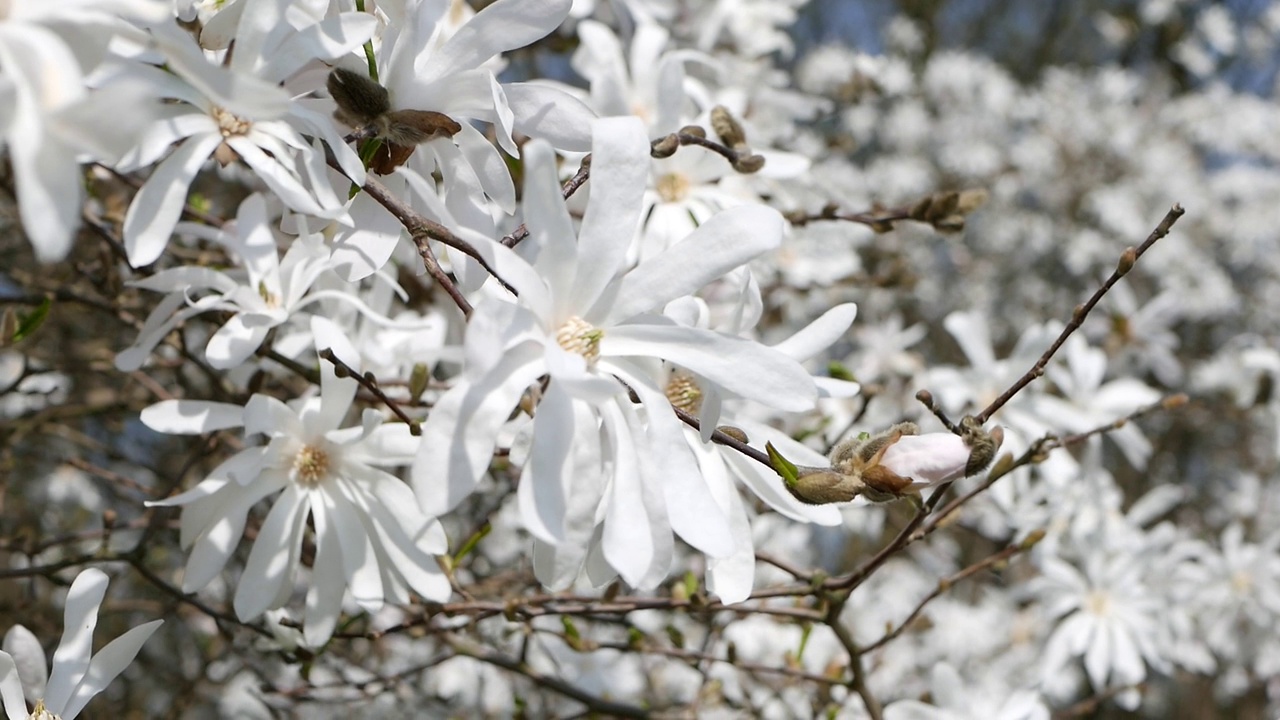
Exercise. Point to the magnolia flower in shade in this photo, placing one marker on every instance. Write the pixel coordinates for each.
(1107, 614)
(370, 539)
(599, 462)
(77, 676)
(267, 294)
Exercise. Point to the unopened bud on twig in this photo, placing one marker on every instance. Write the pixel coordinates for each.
(727, 128)
(1127, 259)
(747, 164)
(665, 147)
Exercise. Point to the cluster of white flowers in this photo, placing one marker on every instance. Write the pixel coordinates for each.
(600, 327)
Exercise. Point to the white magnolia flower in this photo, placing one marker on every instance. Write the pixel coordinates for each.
(646, 80)
(1087, 402)
(1105, 613)
(1238, 597)
(268, 293)
(428, 61)
(242, 111)
(587, 322)
(369, 538)
(77, 676)
(732, 577)
(51, 117)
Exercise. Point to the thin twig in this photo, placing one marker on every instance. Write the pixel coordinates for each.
(946, 583)
(599, 705)
(1127, 260)
(1038, 451)
(370, 383)
(723, 439)
(421, 229)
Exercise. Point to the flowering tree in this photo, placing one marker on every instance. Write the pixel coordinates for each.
(643, 358)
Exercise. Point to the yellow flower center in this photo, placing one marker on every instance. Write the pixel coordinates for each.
(1098, 602)
(41, 712)
(579, 336)
(229, 124)
(271, 299)
(310, 466)
(1241, 581)
(673, 187)
(683, 392)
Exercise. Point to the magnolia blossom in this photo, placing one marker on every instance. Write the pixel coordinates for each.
(1106, 614)
(77, 676)
(646, 80)
(433, 59)
(369, 539)
(241, 112)
(270, 292)
(50, 114)
(598, 462)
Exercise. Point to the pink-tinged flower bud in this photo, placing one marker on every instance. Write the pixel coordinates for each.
(936, 458)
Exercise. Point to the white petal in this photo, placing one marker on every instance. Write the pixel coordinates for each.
(359, 560)
(156, 208)
(270, 566)
(552, 239)
(541, 492)
(336, 393)
(162, 319)
(743, 367)
(820, 334)
(599, 59)
(28, 656)
(514, 270)
(233, 343)
(500, 26)
(324, 597)
(183, 279)
(628, 537)
(732, 578)
(192, 417)
(330, 38)
(971, 332)
(558, 566)
(407, 554)
(238, 93)
(224, 518)
(109, 662)
(271, 417)
(691, 510)
(360, 249)
(280, 177)
(729, 239)
(459, 435)
(71, 659)
(49, 195)
(15, 705)
(619, 175)
(548, 113)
